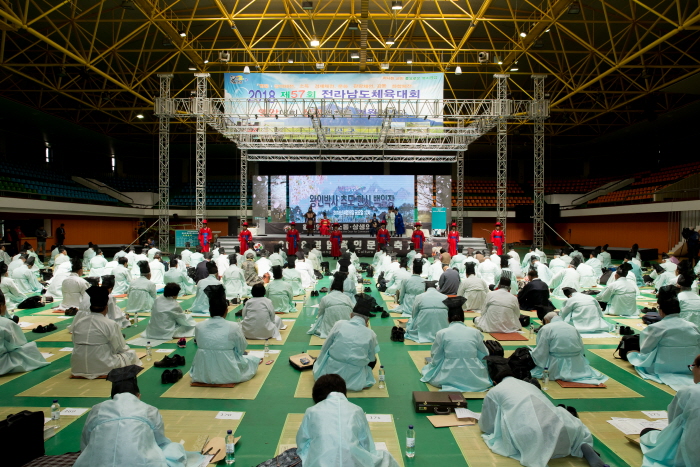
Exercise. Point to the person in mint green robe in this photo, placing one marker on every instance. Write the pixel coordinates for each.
(16, 354)
(410, 289)
(280, 292)
(429, 316)
(583, 312)
(293, 277)
(334, 307)
(175, 275)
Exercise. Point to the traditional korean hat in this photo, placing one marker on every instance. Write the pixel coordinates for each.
(245, 224)
(124, 379)
(292, 223)
(454, 224)
(498, 224)
(383, 222)
(335, 224)
(144, 268)
(99, 296)
(217, 297)
(204, 221)
(418, 223)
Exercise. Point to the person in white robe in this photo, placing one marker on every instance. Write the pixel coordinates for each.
(186, 254)
(280, 293)
(488, 271)
(429, 316)
(560, 349)
(350, 350)
(135, 269)
(689, 300)
(17, 261)
(88, 255)
(604, 257)
(316, 257)
(16, 354)
(73, 287)
(152, 253)
(474, 289)
(177, 276)
(234, 281)
(588, 277)
(349, 283)
(513, 254)
(142, 292)
(620, 296)
(97, 265)
(120, 254)
(335, 432)
(276, 258)
(196, 257)
(114, 311)
(514, 266)
(131, 255)
(564, 256)
(38, 264)
(577, 254)
(4, 257)
(26, 279)
(303, 265)
(61, 258)
(662, 277)
(527, 261)
(13, 296)
(556, 265)
(401, 275)
(98, 343)
(410, 289)
(567, 277)
(677, 444)
(264, 265)
(436, 269)
(168, 321)
(259, 318)
(334, 307)
(222, 262)
(157, 271)
(457, 355)
(583, 312)
(201, 299)
(543, 271)
(501, 312)
(293, 277)
(123, 429)
(221, 346)
(667, 346)
(122, 276)
(458, 261)
(595, 263)
(378, 260)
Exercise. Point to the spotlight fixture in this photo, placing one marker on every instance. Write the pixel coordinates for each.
(515, 68)
(246, 70)
(192, 68)
(396, 5)
(384, 66)
(355, 55)
(389, 40)
(354, 25)
(483, 57)
(183, 34)
(523, 34)
(500, 62)
(409, 61)
(307, 5)
(206, 61)
(139, 116)
(224, 56)
(314, 42)
(546, 30)
(290, 60)
(320, 65)
(574, 9)
(458, 70)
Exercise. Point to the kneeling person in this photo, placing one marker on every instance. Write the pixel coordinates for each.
(429, 315)
(16, 354)
(167, 318)
(334, 307)
(259, 318)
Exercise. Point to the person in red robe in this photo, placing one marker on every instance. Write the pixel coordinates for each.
(453, 239)
(324, 225)
(205, 236)
(498, 238)
(418, 238)
(293, 239)
(244, 238)
(383, 236)
(336, 241)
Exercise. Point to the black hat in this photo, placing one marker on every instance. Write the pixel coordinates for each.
(338, 279)
(144, 268)
(76, 265)
(3, 268)
(108, 281)
(217, 297)
(454, 303)
(363, 306)
(343, 267)
(124, 380)
(99, 296)
(291, 261)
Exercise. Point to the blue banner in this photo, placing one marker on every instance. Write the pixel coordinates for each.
(184, 236)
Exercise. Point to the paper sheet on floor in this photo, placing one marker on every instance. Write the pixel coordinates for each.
(634, 426)
(596, 335)
(143, 341)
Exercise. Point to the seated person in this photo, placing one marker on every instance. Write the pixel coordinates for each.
(276, 258)
(55, 284)
(667, 346)
(16, 354)
(196, 257)
(501, 312)
(488, 270)
(73, 287)
(336, 432)
(259, 318)
(263, 264)
(566, 277)
(350, 350)
(334, 307)
(535, 293)
(123, 429)
(234, 280)
(221, 345)
(97, 264)
(292, 276)
(250, 269)
(677, 444)
(98, 343)
(157, 271)
(201, 299)
(25, 278)
(201, 269)
(520, 422)
(560, 348)
(583, 312)
(429, 315)
(13, 296)
(114, 312)
(176, 275)
(473, 288)
(168, 321)
(457, 355)
(543, 272)
(589, 276)
(621, 295)
(280, 292)
(349, 285)
(449, 281)
(122, 276)
(142, 292)
(689, 300)
(662, 276)
(399, 277)
(410, 289)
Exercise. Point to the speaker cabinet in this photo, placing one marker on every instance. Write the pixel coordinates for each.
(234, 225)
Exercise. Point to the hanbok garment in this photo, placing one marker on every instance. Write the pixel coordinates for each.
(596, 265)
(168, 320)
(336, 239)
(560, 348)
(264, 266)
(621, 297)
(97, 266)
(222, 264)
(316, 258)
(409, 290)
(186, 255)
(418, 239)
(151, 253)
(250, 272)
(281, 295)
(666, 348)
(87, 256)
(118, 255)
(666, 278)
(399, 277)
(259, 319)
(514, 266)
(566, 258)
(335, 432)
(457, 360)
(350, 289)
(16, 354)
(383, 237)
(142, 294)
(557, 265)
(293, 278)
(195, 259)
(677, 444)
(584, 313)
(38, 264)
(293, 241)
(377, 260)
(308, 278)
(234, 283)
(391, 222)
(488, 271)
(205, 238)
(429, 316)
(244, 239)
(122, 280)
(347, 352)
(99, 347)
(459, 261)
(115, 313)
(452, 241)
(525, 265)
(180, 277)
(500, 313)
(577, 254)
(435, 271)
(13, 296)
(637, 271)
(690, 306)
(276, 260)
(475, 290)
(334, 307)
(73, 291)
(520, 422)
(125, 430)
(324, 226)
(219, 358)
(588, 275)
(568, 277)
(605, 259)
(14, 265)
(201, 300)
(131, 256)
(543, 272)
(135, 269)
(26, 280)
(498, 238)
(60, 259)
(157, 273)
(398, 223)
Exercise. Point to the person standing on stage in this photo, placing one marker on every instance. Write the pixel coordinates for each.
(391, 220)
(453, 239)
(400, 228)
(373, 225)
(418, 238)
(293, 239)
(383, 236)
(205, 236)
(244, 238)
(310, 218)
(336, 241)
(325, 226)
(498, 238)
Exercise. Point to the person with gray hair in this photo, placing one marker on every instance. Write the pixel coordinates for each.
(501, 313)
(250, 269)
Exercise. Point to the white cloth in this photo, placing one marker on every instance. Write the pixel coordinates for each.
(186, 255)
(135, 270)
(259, 319)
(142, 294)
(501, 313)
(152, 253)
(556, 265)
(222, 264)
(26, 280)
(122, 280)
(621, 298)
(690, 306)
(157, 273)
(73, 291)
(168, 320)
(87, 256)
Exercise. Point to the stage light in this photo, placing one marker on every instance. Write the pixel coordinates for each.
(140, 116)
(246, 70)
(290, 60)
(355, 55)
(307, 5)
(314, 42)
(206, 61)
(396, 5)
(409, 61)
(183, 34)
(389, 40)
(546, 30)
(320, 65)
(458, 70)
(523, 34)
(384, 66)
(483, 57)
(354, 25)
(192, 68)
(574, 9)
(515, 68)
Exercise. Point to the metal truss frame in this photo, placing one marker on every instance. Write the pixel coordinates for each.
(503, 106)
(164, 168)
(369, 157)
(540, 111)
(244, 184)
(201, 107)
(460, 191)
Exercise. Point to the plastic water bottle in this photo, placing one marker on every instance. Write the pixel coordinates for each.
(56, 412)
(617, 329)
(410, 442)
(532, 331)
(230, 448)
(149, 354)
(545, 379)
(382, 378)
(136, 318)
(266, 352)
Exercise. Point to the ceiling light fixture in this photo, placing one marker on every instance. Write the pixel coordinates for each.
(458, 70)
(320, 65)
(183, 34)
(546, 30)
(523, 34)
(354, 25)
(139, 115)
(384, 66)
(515, 68)
(389, 40)
(192, 68)
(246, 70)
(206, 61)
(396, 5)
(409, 61)
(290, 60)
(307, 5)
(574, 9)
(355, 55)
(314, 42)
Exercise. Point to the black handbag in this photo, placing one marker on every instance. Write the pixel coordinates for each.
(524, 320)
(496, 365)
(521, 363)
(627, 344)
(24, 431)
(494, 347)
(605, 277)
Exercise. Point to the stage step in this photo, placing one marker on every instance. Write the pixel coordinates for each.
(477, 243)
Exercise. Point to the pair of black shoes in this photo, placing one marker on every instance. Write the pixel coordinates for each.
(171, 376)
(169, 362)
(397, 334)
(379, 309)
(323, 290)
(367, 290)
(71, 312)
(239, 313)
(626, 331)
(569, 409)
(314, 293)
(42, 329)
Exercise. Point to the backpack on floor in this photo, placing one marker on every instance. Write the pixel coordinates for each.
(605, 277)
(626, 345)
(651, 317)
(496, 365)
(25, 432)
(370, 270)
(381, 282)
(494, 347)
(521, 363)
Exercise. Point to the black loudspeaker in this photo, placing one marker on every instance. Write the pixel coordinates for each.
(466, 227)
(523, 214)
(234, 225)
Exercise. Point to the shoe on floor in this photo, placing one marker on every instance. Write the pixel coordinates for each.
(385, 314)
(175, 376)
(239, 312)
(166, 362)
(324, 290)
(178, 360)
(368, 290)
(51, 327)
(372, 315)
(39, 329)
(182, 343)
(165, 377)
